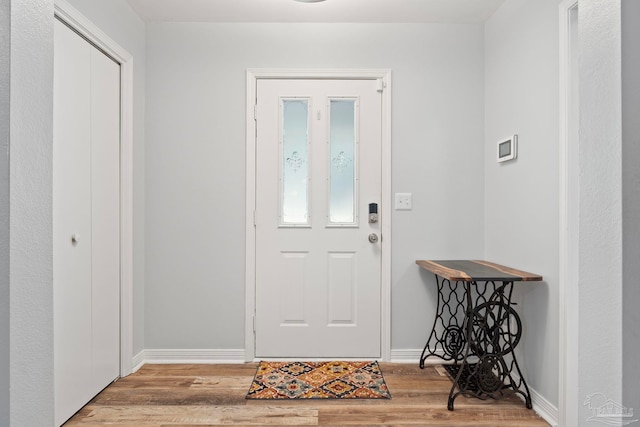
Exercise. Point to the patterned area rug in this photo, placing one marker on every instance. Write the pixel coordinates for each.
(318, 380)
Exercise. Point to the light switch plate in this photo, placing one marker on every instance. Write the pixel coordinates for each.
(403, 202)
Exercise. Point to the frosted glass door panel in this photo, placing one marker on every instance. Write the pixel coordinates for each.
(295, 162)
(342, 158)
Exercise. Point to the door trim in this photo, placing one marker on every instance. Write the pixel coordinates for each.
(568, 292)
(79, 23)
(384, 77)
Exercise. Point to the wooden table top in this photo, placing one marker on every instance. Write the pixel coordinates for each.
(474, 271)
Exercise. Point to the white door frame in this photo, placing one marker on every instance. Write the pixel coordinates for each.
(384, 85)
(74, 19)
(569, 187)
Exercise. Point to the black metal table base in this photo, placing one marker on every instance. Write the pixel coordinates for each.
(477, 328)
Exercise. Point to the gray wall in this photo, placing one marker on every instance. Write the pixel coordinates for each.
(30, 248)
(119, 22)
(600, 228)
(5, 56)
(631, 201)
(521, 196)
(195, 162)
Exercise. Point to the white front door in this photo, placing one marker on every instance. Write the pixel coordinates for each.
(318, 173)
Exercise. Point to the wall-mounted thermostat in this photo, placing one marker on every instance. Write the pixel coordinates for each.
(508, 149)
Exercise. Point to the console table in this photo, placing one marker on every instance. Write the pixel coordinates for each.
(477, 328)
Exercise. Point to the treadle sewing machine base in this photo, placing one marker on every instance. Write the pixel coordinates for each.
(477, 328)
(467, 375)
(481, 384)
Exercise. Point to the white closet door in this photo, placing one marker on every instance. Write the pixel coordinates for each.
(86, 226)
(105, 218)
(71, 217)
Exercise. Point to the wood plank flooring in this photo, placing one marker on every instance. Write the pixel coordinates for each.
(208, 395)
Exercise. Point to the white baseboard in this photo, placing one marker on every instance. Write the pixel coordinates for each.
(174, 356)
(205, 356)
(137, 361)
(544, 408)
(541, 406)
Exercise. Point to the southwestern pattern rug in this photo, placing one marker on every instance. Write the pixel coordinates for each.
(318, 380)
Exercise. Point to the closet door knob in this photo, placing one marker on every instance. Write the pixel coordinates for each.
(74, 239)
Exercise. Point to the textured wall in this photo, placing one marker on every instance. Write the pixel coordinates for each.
(5, 56)
(31, 257)
(631, 201)
(600, 229)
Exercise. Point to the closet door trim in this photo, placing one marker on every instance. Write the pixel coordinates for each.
(79, 23)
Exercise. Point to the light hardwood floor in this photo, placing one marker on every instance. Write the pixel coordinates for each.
(208, 395)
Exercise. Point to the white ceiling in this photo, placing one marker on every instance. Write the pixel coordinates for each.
(463, 11)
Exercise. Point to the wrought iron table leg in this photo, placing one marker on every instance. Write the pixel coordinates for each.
(466, 349)
(449, 310)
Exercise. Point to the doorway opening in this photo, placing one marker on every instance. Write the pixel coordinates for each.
(380, 81)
